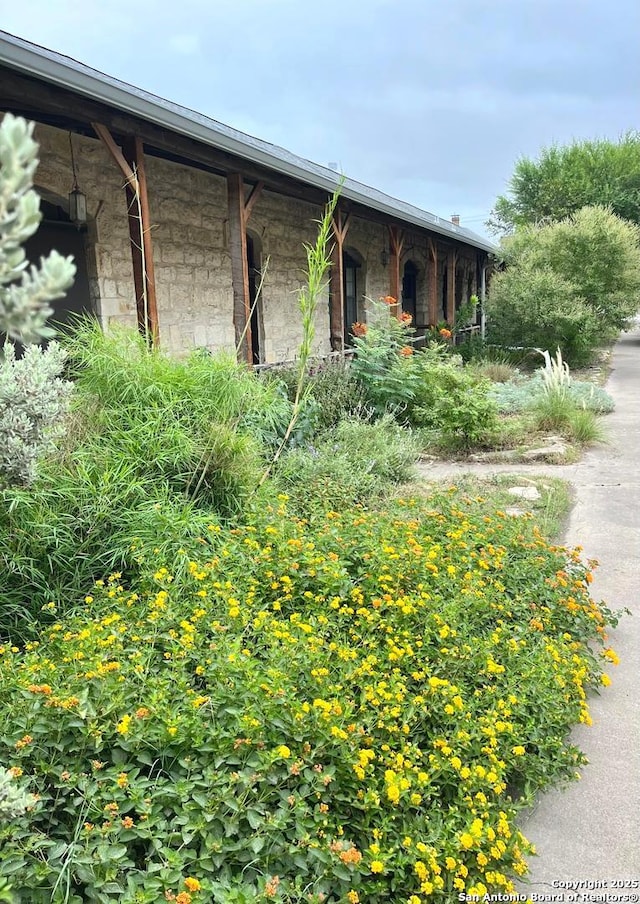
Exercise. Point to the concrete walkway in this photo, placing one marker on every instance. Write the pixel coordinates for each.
(590, 832)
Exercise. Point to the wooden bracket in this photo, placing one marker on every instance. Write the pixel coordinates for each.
(107, 139)
(254, 196)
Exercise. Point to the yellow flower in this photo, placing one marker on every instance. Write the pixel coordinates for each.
(353, 897)
(518, 750)
(283, 751)
(377, 866)
(192, 884)
(450, 863)
(466, 840)
(123, 725)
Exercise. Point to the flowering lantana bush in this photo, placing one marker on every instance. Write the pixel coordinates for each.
(340, 710)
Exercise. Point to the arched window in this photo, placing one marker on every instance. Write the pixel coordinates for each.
(254, 261)
(57, 232)
(354, 273)
(410, 289)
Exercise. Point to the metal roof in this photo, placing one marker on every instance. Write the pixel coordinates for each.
(57, 69)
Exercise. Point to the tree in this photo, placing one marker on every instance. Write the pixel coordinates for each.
(572, 283)
(564, 179)
(25, 294)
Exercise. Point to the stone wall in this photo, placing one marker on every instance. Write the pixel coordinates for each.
(191, 251)
(108, 249)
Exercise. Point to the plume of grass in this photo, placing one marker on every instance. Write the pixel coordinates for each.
(318, 263)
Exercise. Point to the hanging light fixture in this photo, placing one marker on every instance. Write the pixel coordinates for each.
(384, 254)
(77, 198)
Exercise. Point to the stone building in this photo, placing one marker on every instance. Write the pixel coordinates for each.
(182, 214)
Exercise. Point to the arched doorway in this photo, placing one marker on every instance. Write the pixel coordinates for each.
(254, 261)
(410, 290)
(57, 232)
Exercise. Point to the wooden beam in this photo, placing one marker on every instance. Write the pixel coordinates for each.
(396, 242)
(340, 223)
(432, 283)
(239, 267)
(452, 259)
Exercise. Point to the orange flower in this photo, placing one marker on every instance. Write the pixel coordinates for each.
(389, 299)
(192, 884)
(445, 333)
(40, 689)
(271, 887)
(358, 329)
(183, 898)
(26, 739)
(406, 351)
(127, 823)
(406, 318)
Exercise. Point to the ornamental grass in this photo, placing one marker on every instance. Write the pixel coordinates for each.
(350, 708)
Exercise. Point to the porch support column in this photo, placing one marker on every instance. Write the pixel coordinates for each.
(340, 225)
(396, 242)
(239, 213)
(131, 162)
(451, 285)
(432, 283)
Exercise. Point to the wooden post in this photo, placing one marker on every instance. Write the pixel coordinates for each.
(130, 161)
(239, 266)
(432, 291)
(396, 242)
(451, 286)
(340, 224)
(239, 213)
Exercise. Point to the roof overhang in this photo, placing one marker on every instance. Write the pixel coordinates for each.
(56, 69)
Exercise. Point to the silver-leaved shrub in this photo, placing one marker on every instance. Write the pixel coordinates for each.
(33, 403)
(25, 292)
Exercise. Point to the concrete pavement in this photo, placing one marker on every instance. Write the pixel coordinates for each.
(590, 831)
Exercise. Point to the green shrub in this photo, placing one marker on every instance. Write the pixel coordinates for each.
(339, 711)
(498, 370)
(572, 284)
(584, 427)
(331, 394)
(156, 445)
(385, 365)
(355, 463)
(454, 402)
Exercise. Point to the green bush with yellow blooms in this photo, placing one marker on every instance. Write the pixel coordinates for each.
(350, 708)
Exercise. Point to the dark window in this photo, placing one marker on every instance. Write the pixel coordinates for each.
(410, 289)
(350, 272)
(253, 286)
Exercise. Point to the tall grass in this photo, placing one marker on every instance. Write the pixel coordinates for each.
(157, 449)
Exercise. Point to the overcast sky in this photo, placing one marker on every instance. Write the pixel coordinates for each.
(432, 101)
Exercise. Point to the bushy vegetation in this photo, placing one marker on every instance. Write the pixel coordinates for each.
(571, 284)
(522, 393)
(340, 710)
(216, 691)
(33, 403)
(354, 463)
(564, 179)
(154, 442)
(422, 388)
